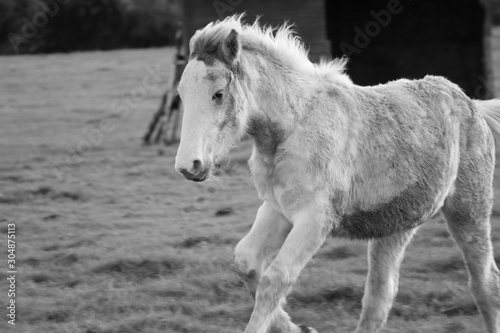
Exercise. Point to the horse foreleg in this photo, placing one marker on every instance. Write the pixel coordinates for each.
(266, 237)
(309, 231)
(254, 253)
(384, 259)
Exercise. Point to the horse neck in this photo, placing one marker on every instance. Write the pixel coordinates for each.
(278, 96)
(277, 91)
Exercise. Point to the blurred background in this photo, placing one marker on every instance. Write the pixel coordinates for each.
(110, 239)
(79, 25)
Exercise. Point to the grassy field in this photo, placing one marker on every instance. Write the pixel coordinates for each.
(115, 241)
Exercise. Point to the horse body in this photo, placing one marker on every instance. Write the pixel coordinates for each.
(384, 157)
(334, 158)
(407, 156)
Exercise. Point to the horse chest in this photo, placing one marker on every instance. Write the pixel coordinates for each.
(278, 187)
(262, 177)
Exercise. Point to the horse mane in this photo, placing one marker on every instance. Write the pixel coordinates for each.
(279, 43)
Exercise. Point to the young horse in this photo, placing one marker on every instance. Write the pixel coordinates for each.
(334, 158)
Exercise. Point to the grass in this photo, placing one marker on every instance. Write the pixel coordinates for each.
(121, 243)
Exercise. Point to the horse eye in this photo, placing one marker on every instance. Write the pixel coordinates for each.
(217, 96)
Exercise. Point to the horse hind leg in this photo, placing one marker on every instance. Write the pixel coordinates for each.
(384, 260)
(467, 212)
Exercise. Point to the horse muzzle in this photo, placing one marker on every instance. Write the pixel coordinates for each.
(198, 172)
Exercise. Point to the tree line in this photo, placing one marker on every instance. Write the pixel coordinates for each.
(45, 26)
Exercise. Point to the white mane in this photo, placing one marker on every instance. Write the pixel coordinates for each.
(279, 43)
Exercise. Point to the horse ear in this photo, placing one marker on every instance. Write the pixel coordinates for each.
(231, 47)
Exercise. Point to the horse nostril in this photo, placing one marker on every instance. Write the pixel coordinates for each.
(185, 173)
(197, 166)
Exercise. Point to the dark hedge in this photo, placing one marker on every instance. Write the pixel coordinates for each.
(44, 26)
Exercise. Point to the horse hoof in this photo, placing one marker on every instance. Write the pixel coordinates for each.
(306, 329)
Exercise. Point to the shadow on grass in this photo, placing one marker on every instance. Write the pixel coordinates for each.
(137, 269)
(197, 240)
(338, 253)
(42, 192)
(349, 296)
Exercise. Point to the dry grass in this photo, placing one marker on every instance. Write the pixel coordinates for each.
(123, 244)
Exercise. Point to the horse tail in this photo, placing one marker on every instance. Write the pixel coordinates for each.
(490, 110)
